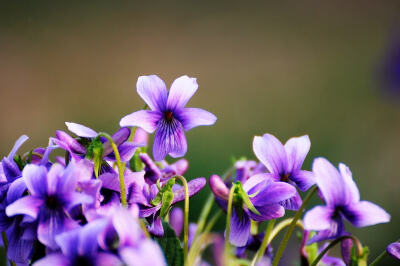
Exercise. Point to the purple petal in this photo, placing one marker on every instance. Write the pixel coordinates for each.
(46, 154)
(88, 236)
(16, 147)
(110, 181)
(126, 151)
(55, 224)
(240, 229)
(335, 230)
(352, 193)
(10, 169)
(296, 150)
(218, 187)
(53, 259)
(53, 176)
(270, 151)
(145, 119)
(153, 91)
(194, 117)
(292, 203)
(143, 213)
(35, 178)
(28, 205)
(156, 227)
(141, 136)
(365, 213)
(273, 193)
(182, 89)
(194, 186)
(147, 253)
(176, 220)
(76, 198)
(118, 137)
(303, 179)
(250, 185)
(170, 139)
(394, 250)
(318, 218)
(68, 142)
(330, 182)
(81, 130)
(16, 190)
(68, 242)
(107, 259)
(346, 247)
(127, 227)
(19, 250)
(268, 212)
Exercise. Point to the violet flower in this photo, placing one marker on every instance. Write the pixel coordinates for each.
(51, 196)
(168, 115)
(265, 196)
(284, 163)
(80, 247)
(342, 202)
(394, 250)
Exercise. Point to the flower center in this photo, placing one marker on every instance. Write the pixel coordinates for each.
(52, 202)
(168, 116)
(285, 177)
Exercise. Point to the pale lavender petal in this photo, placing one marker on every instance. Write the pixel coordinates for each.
(240, 229)
(68, 242)
(254, 180)
(141, 136)
(170, 139)
(35, 178)
(218, 187)
(194, 186)
(182, 89)
(318, 218)
(55, 259)
(88, 235)
(270, 151)
(107, 259)
(268, 212)
(53, 176)
(68, 181)
(194, 117)
(46, 154)
(147, 253)
(394, 250)
(76, 198)
(16, 190)
(68, 142)
(365, 213)
(127, 227)
(55, 224)
(145, 119)
(296, 150)
(273, 193)
(336, 229)
(352, 193)
(303, 179)
(81, 130)
(17, 145)
(28, 205)
(330, 182)
(153, 91)
(176, 220)
(292, 203)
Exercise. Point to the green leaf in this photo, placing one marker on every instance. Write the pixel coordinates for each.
(95, 153)
(171, 246)
(242, 195)
(135, 163)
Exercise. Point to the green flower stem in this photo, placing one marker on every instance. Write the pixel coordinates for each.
(333, 243)
(133, 131)
(5, 242)
(380, 256)
(228, 224)
(121, 167)
(207, 207)
(186, 218)
(264, 243)
(279, 227)
(289, 232)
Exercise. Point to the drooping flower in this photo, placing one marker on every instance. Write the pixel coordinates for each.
(52, 194)
(284, 163)
(394, 250)
(168, 115)
(342, 202)
(258, 199)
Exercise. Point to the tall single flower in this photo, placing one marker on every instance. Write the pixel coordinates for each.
(258, 199)
(284, 163)
(168, 115)
(342, 199)
(52, 194)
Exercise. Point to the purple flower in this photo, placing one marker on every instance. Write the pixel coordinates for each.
(176, 220)
(168, 115)
(51, 196)
(284, 163)
(80, 247)
(265, 196)
(394, 250)
(342, 202)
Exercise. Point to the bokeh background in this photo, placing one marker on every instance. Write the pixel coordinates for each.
(289, 69)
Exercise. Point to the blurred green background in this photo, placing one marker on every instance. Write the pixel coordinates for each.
(289, 69)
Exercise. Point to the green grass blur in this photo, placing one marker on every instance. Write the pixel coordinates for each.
(289, 69)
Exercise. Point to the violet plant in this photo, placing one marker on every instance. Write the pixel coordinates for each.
(107, 202)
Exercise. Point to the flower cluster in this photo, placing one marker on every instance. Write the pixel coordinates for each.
(109, 202)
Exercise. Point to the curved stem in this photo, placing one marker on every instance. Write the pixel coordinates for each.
(228, 224)
(264, 243)
(279, 227)
(333, 243)
(380, 256)
(121, 167)
(289, 232)
(186, 219)
(5, 242)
